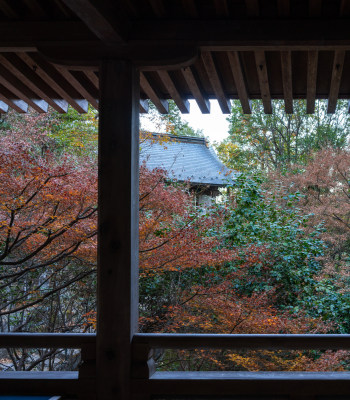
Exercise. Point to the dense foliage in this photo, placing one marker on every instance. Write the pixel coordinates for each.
(262, 142)
(271, 257)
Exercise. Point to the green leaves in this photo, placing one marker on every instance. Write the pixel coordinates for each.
(288, 255)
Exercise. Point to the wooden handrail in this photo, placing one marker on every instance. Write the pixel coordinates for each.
(47, 340)
(243, 341)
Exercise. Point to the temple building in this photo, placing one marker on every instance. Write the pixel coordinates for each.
(187, 159)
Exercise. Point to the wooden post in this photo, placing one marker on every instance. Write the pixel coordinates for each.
(118, 227)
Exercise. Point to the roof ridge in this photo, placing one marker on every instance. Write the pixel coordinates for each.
(182, 139)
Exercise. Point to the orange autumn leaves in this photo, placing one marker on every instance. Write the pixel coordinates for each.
(174, 235)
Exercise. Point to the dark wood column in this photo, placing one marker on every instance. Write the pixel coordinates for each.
(118, 226)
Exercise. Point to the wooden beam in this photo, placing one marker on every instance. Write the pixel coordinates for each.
(27, 340)
(161, 104)
(283, 8)
(8, 98)
(117, 287)
(190, 8)
(64, 9)
(239, 79)
(344, 9)
(315, 8)
(3, 107)
(263, 81)
(215, 82)
(312, 62)
(11, 100)
(54, 79)
(183, 105)
(252, 7)
(21, 91)
(286, 62)
(158, 8)
(98, 17)
(36, 8)
(338, 64)
(248, 32)
(78, 83)
(221, 8)
(26, 75)
(92, 77)
(144, 106)
(27, 33)
(7, 10)
(196, 90)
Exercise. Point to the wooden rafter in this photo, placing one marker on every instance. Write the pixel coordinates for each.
(315, 8)
(311, 81)
(79, 84)
(284, 8)
(196, 90)
(3, 107)
(286, 62)
(183, 105)
(53, 78)
(144, 106)
(337, 71)
(221, 8)
(215, 82)
(252, 7)
(17, 87)
(36, 8)
(190, 8)
(158, 7)
(92, 77)
(98, 16)
(161, 104)
(239, 79)
(11, 101)
(27, 76)
(8, 10)
(344, 9)
(263, 81)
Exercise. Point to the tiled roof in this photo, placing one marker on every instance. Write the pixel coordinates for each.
(185, 159)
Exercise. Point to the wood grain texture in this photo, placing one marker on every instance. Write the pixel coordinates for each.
(182, 104)
(99, 18)
(49, 74)
(286, 63)
(263, 81)
(117, 290)
(312, 62)
(161, 104)
(239, 79)
(196, 90)
(215, 82)
(337, 71)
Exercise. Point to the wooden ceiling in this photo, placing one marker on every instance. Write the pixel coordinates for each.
(186, 49)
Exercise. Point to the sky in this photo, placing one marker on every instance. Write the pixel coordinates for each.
(213, 125)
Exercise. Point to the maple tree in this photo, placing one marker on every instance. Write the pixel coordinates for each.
(246, 265)
(324, 190)
(48, 209)
(240, 282)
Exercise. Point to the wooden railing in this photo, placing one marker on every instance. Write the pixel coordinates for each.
(297, 385)
(80, 383)
(147, 382)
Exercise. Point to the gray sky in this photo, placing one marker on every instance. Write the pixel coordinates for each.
(213, 125)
